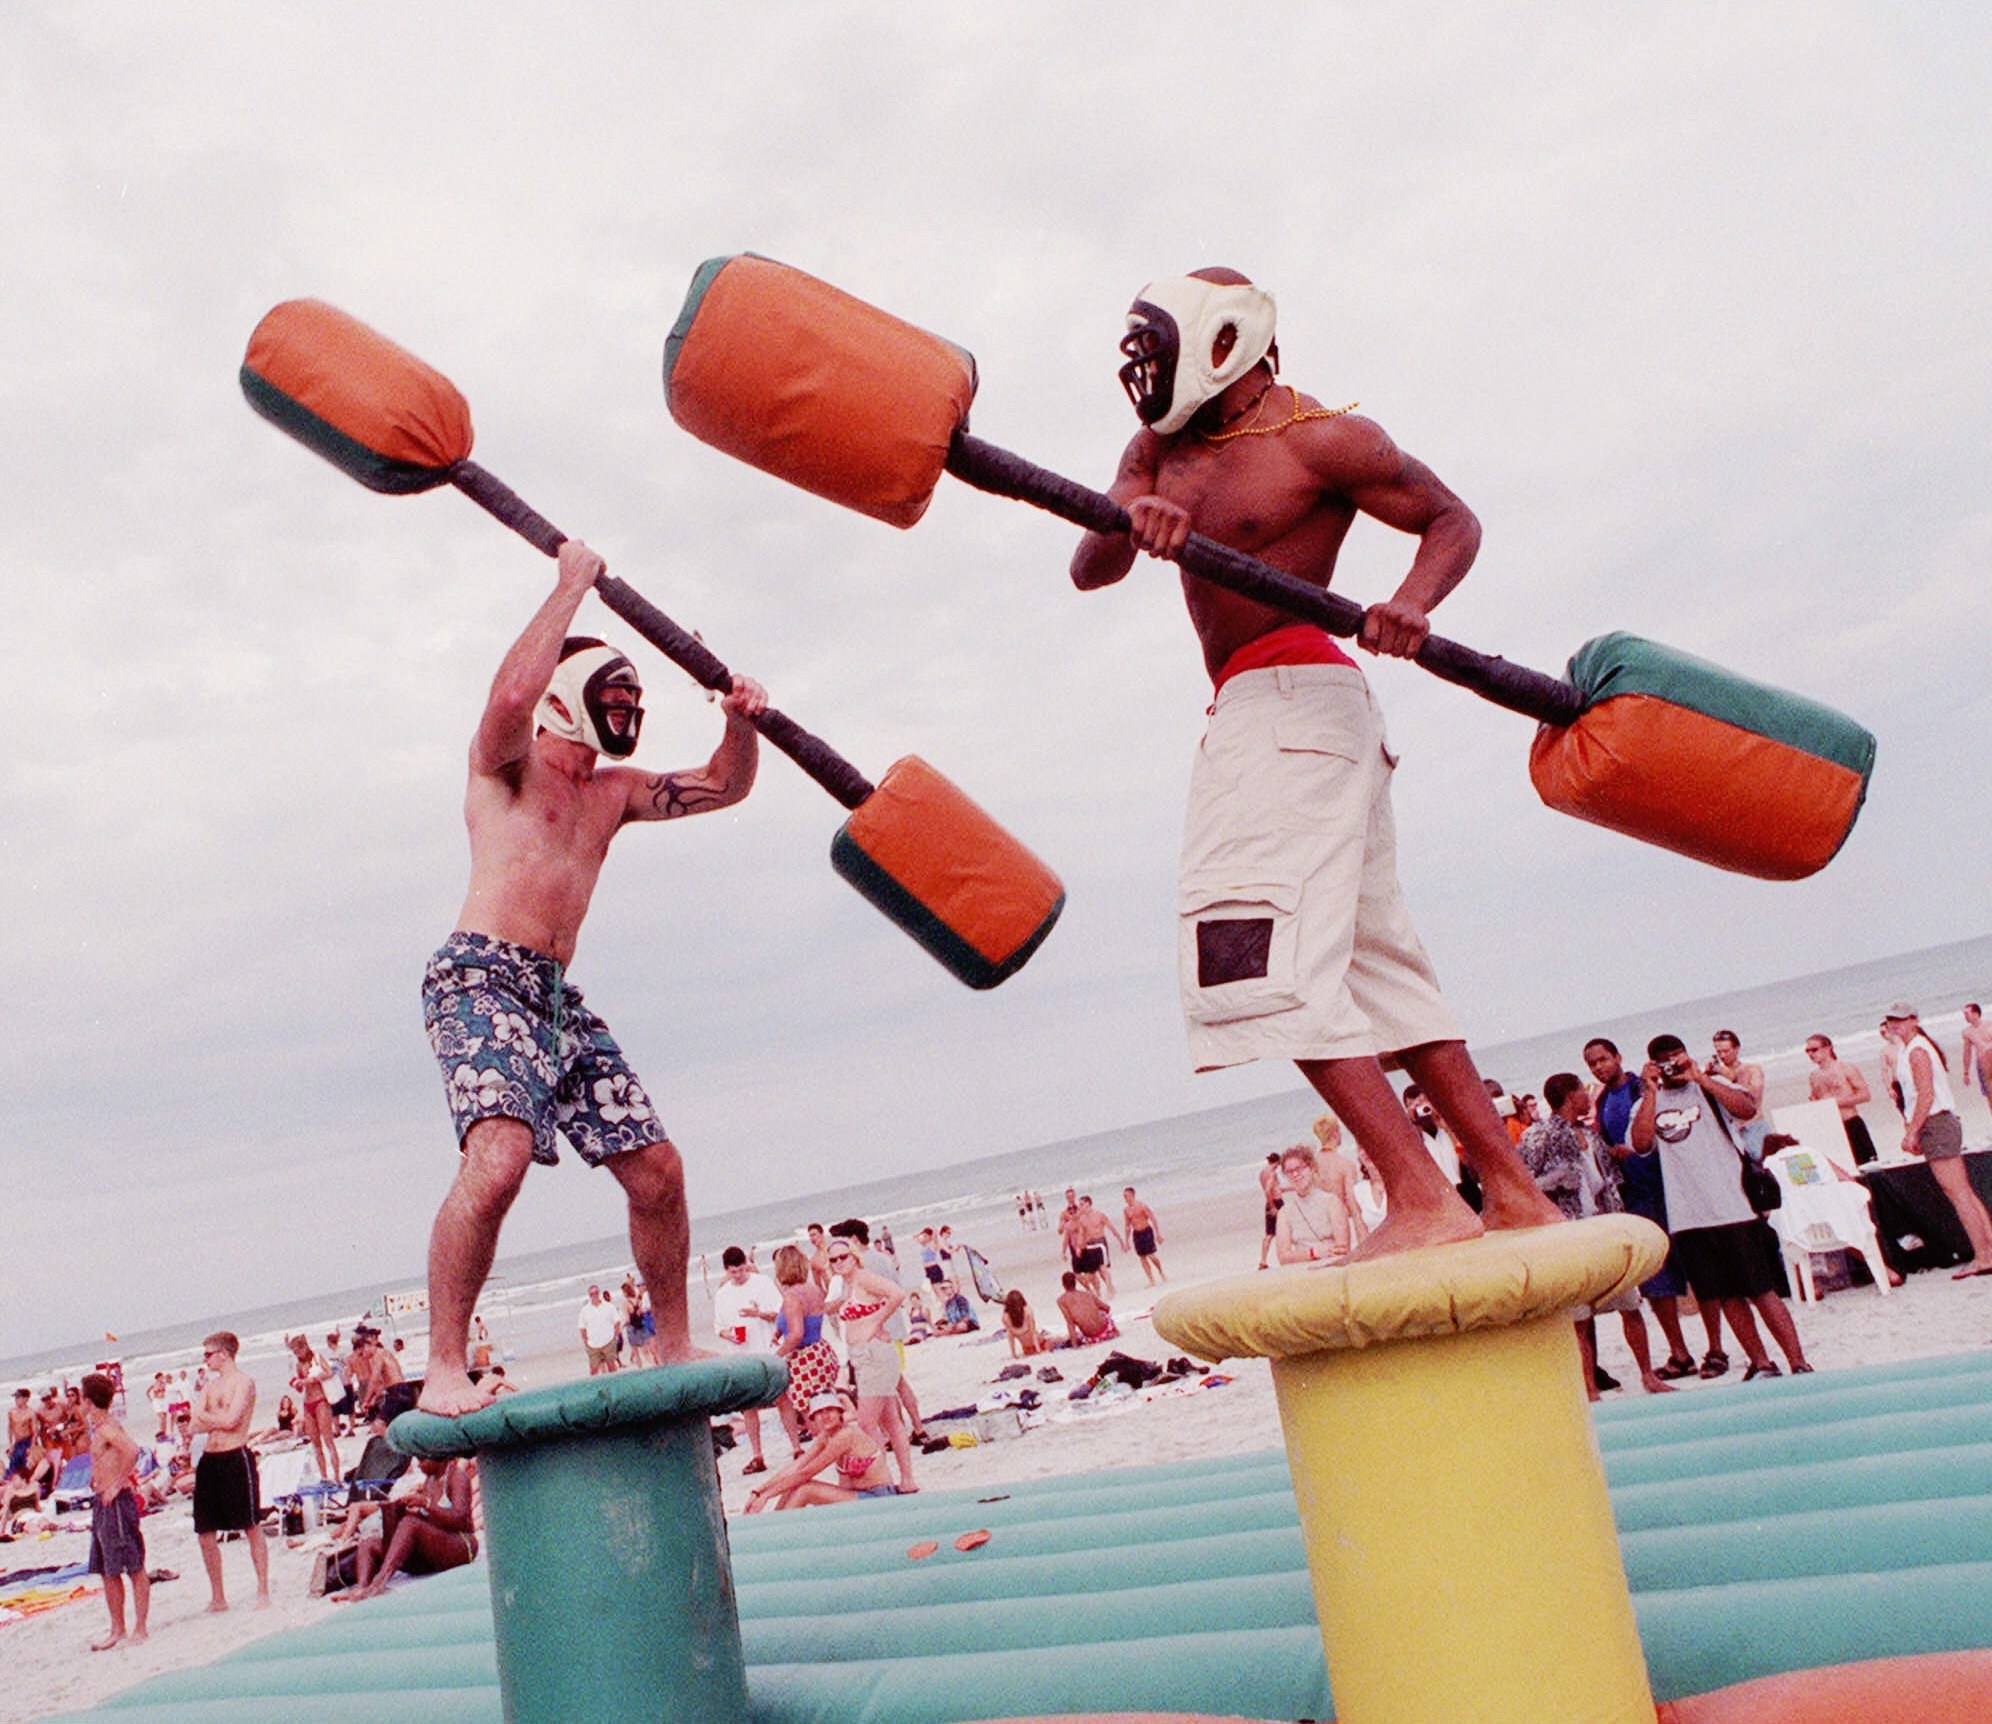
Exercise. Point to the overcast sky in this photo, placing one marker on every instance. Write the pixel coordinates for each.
(1688, 303)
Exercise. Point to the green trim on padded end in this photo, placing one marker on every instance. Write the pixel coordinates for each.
(695, 1390)
(1621, 663)
(956, 955)
(348, 454)
(702, 279)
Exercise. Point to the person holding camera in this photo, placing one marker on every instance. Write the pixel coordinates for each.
(1729, 1255)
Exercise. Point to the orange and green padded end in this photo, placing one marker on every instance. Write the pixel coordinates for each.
(1686, 755)
(798, 378)
(372, 409)
(949, 875)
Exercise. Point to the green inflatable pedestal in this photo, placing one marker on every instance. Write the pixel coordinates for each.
(611, 1582)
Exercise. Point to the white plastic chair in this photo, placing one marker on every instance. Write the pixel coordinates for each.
(1822, 1212)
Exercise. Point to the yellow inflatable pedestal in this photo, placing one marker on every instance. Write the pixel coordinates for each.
(1459, 1535)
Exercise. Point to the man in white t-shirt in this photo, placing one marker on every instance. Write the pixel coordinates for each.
(744, 1308)
(601, 1323)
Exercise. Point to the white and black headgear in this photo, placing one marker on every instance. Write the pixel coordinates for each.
(573, 707)
(1171, 328)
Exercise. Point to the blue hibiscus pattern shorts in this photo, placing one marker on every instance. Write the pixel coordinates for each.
(515, 1042)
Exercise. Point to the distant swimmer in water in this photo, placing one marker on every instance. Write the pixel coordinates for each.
(1295, 942)
(522, 1057)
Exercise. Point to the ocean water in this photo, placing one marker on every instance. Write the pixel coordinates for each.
(532, 1299)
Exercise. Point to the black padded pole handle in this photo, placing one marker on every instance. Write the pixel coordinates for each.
(810, 752)
(1529, 692)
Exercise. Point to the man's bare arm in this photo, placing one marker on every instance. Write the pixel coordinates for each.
(505, 732)
(1357, 458)
(1158, 527)
(722, 781)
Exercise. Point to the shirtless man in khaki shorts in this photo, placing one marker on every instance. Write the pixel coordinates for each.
(1294, 939)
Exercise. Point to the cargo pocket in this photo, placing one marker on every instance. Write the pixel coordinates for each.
(1237, 950)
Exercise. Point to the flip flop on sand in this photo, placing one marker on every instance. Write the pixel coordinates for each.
(1971, 1269)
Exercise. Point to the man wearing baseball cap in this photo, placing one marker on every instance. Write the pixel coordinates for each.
(1932, 1128)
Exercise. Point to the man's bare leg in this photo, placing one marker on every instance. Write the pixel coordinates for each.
(1667, 1313)
(496, 1154)
(660, 1239)
(1743, 1321)
(1634, 1324)
(259, 1557)
(910, 1405)
(114, 1602)
(1421, 1206)
(1509, 1193)
(1777, 1318)
(1587, 1351)
(210, 1544)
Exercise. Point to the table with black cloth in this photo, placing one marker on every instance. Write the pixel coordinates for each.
(1908, 1203)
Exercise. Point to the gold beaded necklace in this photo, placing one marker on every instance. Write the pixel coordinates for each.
(1294, 418)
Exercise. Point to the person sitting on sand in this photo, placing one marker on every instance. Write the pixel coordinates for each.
(428, 1531)
(839, 1441)
(1317, 1224)
(1020, 1327)
(1088, 1318)
(957, 1315)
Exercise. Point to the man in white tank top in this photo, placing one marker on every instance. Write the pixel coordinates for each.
(1932, 1129)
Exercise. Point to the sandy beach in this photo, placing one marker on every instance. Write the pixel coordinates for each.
(1210, 1229)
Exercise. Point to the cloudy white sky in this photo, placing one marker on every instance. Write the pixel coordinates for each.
(1688, 302)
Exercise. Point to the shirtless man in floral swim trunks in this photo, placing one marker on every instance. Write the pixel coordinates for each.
(521, 1056)
(1295, 942)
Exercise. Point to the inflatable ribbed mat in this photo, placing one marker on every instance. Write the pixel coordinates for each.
(1772, 1527)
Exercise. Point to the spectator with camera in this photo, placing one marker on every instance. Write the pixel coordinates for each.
(1729, 1255)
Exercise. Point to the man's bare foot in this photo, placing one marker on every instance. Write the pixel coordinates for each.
(112, 1639)
(451, 1393)
(137, 1635)
(1508, 1210)
(216, 1607)
(1654, 1386)
(262, 1601)
(1407, 1229)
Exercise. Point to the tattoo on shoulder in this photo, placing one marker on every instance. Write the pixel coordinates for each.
(670, 794)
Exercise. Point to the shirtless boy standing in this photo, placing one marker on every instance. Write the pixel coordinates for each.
(117, 1545)
(521, 1056)
(226, 1488)
(1294, 939)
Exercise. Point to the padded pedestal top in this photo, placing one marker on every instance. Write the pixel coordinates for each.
(661, 1392)
(1486, 1283)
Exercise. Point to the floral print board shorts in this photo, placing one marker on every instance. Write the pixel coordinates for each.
(515, 1042)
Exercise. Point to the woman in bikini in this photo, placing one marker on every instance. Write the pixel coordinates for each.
(865, 1301)
(1020, 1327)
(314, 1414)
(840, 1443)
(799, 1343)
